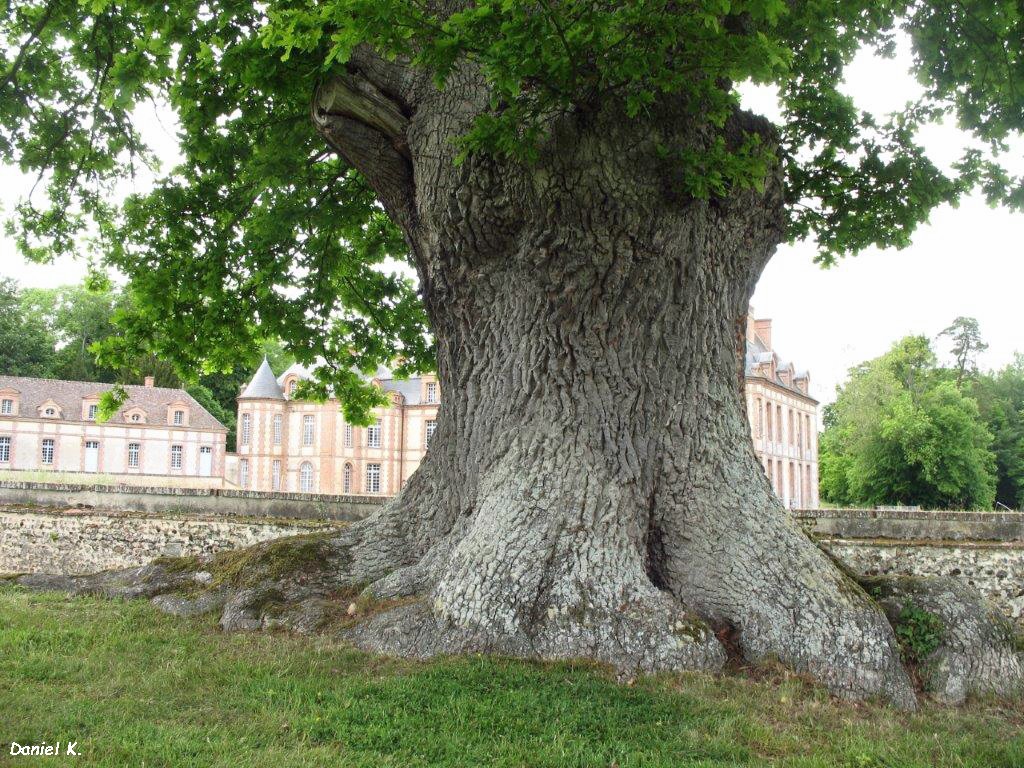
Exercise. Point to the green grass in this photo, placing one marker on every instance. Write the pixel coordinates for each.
(134, 688)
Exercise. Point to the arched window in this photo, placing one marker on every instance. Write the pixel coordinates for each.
(346, 479)
(306, 477)
(291, 387)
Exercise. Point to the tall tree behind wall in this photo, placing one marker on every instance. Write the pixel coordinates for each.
(26, 341)
(76, 318)
(1000, 397)
(901, 432)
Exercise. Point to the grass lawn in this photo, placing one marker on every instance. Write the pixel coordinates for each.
(135, 688)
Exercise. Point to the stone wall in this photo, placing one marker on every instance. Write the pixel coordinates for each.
(75, 541)
(191, 501)
(986, 549)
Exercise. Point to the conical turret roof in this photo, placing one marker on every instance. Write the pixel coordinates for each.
(263, 385)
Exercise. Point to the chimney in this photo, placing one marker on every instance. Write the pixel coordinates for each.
(763, 329)
(150, 382)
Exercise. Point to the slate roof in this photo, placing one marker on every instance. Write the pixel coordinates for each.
(263, 385)
(410, 389)
(69, 395)
(758, 354)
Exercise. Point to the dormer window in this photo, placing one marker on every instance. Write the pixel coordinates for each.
(292, 386)
(135, 416)
(9, 401)
(50, 410)
(431, 391)
(177, 414)
(93, 410)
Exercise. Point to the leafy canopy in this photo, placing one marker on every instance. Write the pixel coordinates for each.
(261, 231)
(901, 431)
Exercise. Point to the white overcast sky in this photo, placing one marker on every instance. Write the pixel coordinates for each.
(965, 261)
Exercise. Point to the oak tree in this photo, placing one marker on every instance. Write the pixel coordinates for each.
(587, 208)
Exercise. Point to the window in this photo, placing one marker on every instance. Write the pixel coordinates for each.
(48, 449)
(431, 391)
(246, 428)
(133, 455)
(275, 475)
(346, 479)
(348, 436)
(291, 387)
(373, 435)
(5, 449)
(176, 453)
(306, 477)
(308, 430)
(243, 473)
(93, 408)
(6, 407)
(179, 418)
(373, 478)
(49, 412)
(428, 432)
(278, 423)
(136, 417)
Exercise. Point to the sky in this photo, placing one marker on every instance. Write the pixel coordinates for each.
(965, 261)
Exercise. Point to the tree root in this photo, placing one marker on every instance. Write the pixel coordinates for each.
(302, 585)
(960, 645)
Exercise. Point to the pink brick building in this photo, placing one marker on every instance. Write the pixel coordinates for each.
(783, 418)
(160, 436)
(286, 444)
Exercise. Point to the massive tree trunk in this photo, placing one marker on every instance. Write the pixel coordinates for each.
(592, 489)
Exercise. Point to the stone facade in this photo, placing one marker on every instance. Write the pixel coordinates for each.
(783, 418)
(48, 425)
(286, 444)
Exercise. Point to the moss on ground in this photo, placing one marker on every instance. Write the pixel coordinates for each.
(272, 560)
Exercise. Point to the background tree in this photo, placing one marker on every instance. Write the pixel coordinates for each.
(1000, 398)
(965, 337)
(900, 432)
(26, 342)
(77, 318)
(587, 209)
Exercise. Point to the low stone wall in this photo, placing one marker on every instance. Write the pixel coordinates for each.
(986, 549)
(192, 501)
(913, 524)
(74, 541)
(996, 570)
